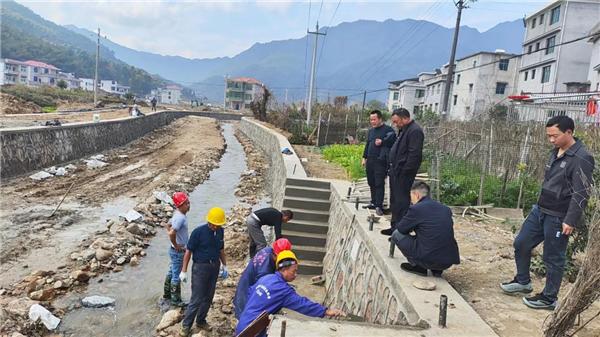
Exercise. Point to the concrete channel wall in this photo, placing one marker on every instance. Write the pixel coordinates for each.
(27, 149)
(281, 166)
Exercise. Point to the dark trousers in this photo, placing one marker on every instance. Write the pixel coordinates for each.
(204, 282)
(407, 245)
(376, 172)
(400, 195)
(540, 227)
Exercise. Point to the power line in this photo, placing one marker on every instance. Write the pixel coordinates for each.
(326, 30)
(306, 47)
(320, 8)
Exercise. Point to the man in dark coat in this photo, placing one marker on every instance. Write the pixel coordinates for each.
(404, 161)
(433, 246)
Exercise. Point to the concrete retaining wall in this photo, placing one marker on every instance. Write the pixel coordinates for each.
(33, 148)
(281, 166)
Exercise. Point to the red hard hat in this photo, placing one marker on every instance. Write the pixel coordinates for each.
(179, 198)
(281, 245)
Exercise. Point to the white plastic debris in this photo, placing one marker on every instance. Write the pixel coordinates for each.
(98, 157)
(40, 175)
(97, 301)
(163, 196)
(38, 312)
(132, 215)
(51, 170)
(60, 171)
(71, 167)
(95, 163)
(123, 156)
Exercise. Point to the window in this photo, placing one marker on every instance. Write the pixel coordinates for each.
(455, 99)
(529, 49)
(436, 107)
(554, 15)
(23, 68)
(533, 74)
(541, 19)
(458, 79)
(419, 93)
(470, 87)
(526, 74)
(533, 23)
(503, 65)
(474, 63)
(537, 46)
(546, 74)
(550, 42)
(112, 88)
(396, 94)
(500, 88)
(35, 78)
(45, 71)
(35, 70)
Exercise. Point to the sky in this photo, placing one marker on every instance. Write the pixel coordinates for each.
(206, 29)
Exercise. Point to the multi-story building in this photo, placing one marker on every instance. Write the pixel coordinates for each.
(113, 87)
(547, 66)
(594, 68)
(408, 94)
(241, 91)
(86, 84)
(434, 83)
(31, 73)
(14, 72)
(482, 80)
(171, 94)
(41, 73)
(72, 81)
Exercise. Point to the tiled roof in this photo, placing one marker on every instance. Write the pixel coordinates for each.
(40, 64)
(246, 80)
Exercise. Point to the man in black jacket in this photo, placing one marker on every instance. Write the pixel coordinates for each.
(559, 210)
(433, 246)
(380, 139)
(404, 162)
(265, 217)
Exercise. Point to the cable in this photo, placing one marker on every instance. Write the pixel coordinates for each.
(320, 8)
(325, 37)
(306, 48)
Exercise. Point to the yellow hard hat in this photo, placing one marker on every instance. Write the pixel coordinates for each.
(286, 254)
(216, 216)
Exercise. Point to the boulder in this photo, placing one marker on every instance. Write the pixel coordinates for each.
(88, 254)
(134, 261)
(135, 229)
(103, 254)
(121, 260)
(97, 301)
(80, 276)
(42, 295)
(133, 251)
(170, 318)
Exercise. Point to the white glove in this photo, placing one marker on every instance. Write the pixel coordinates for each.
(183, 276)
(224, 272)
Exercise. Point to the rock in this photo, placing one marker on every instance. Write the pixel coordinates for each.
(60, 171)
(16, 334)
(229, 283)
(133, 251)
(103, 254)
(226, 309)
(121, 260)
(97, 301)
(132, 216)
(424, 285)
(117, 269)
(201, 333)
(58, 285)
(134, 261)
(42, 295)
(80, 276)
(95, 163)
(37, 312)
(135, 229)
(71, 167)
(142, 253)
(20, 306)
(162, 196)
(40, 176)
(170, 318)
(88, 254)
(49, 280)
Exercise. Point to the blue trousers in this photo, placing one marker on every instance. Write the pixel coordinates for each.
(537, 228)
(175, 265)
(204, 282)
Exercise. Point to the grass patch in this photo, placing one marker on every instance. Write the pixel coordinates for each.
(348, 156)
(49, 109)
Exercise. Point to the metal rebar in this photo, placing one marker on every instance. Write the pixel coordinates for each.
(392, 248)
(443, 310)
(294, 172)
(371, 221)
(356, 203)
(349, 191)
(283, 327)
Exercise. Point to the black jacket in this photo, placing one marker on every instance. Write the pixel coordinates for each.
(387, 136)
(566, 181)
(432, 223)
(271, 217)
(407, 152)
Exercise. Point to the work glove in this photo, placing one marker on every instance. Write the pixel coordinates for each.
(183, 276)
(224, 272)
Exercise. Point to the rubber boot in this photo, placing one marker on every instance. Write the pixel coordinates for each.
(176, 295)
(167, 288)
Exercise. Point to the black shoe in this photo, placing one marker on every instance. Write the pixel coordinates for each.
(387, 232)
(369, 206)
(379, 211)
(414, 269)
(436, 273)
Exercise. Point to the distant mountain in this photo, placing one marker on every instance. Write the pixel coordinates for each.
(26, 35)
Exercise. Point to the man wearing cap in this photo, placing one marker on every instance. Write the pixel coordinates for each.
(206, 249)
(272, 293)
(262, 264)
(267, 216)
(177, 229)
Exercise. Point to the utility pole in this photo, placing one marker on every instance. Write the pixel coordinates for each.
(460, 5)
(312, 74)
(96, 72)
(286, 94)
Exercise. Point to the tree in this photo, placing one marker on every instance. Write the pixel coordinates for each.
(340, 101)
(259, 105)
(376, 105)
(62, 84)
(128, 97)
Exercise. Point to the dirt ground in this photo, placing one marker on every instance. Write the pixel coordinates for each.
(316, 166)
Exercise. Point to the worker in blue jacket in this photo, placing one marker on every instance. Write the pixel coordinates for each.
(261, 264)
(272, 293)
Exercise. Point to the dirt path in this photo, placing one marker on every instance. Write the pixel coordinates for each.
(17, 120)
(318, 167)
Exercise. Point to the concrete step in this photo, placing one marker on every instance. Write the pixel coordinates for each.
(308, 183)
(302, 214)
(306, 203)
(307, 192)
(309, 253)
(308, 226)
(305, 239)
(310, 268)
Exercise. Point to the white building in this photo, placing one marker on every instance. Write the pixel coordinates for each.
(408, 94)
(434, 83)
(86, 84)
(241, 91)
(30, 73)
(171, 94)
(72, 81)
(14, 72)
(480, 81)
(113, 87)
(547, 67)
(594, 69)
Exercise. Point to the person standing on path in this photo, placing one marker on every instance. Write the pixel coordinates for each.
(404, 161)
(206, 249)
(266, 216)
(177, 229)
(153, 102)
(559, 211)
(380, 139)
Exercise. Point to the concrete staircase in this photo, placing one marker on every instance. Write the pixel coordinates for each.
(309, 200)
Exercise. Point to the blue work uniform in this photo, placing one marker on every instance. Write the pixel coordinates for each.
(272, 293)
(262, 264)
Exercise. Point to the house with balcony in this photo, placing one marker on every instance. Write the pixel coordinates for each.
(14, 72)
(41, 73)
(171, 94)
(241, 91)
(547, 66)
(407, 93)
(113, 87)
(594, 68)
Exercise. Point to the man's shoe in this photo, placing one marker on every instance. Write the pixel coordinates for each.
(387, 232)
(369, 206)
(539, 301)
(436, 273)
(513, 287)
(414, 269)
(203, 326)
(184, 331)
(379, 211)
